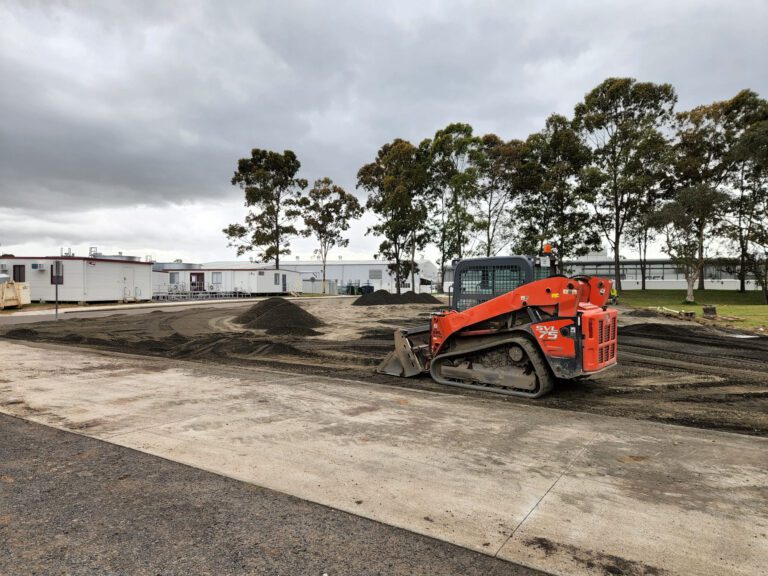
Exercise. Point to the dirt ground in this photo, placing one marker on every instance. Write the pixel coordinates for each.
(669, 371)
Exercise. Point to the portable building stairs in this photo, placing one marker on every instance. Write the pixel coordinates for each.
(14, 294)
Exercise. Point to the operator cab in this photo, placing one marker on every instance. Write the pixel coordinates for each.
(476, 280)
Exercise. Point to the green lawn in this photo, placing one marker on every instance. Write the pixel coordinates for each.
(748, 306)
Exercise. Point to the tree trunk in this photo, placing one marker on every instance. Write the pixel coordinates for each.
(442, 260)
(442, 275)
(761, 276)
(413, 267)
(324, 260)
(488, 236)
(690, 280)
(742, 272)
(277, 246)
(643, 259)
(616, 260)
(701, 258)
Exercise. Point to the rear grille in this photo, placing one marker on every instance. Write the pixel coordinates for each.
(602, 333)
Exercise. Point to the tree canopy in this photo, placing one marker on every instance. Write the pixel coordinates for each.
(272, 192)
(327, 210)
(396, 182)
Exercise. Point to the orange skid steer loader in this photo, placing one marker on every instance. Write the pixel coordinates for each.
(509, 332)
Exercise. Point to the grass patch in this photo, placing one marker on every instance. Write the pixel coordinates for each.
(748, 305)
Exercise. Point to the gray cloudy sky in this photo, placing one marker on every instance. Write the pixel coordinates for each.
(121, 122)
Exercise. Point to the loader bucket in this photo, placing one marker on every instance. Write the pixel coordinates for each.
(405, 360)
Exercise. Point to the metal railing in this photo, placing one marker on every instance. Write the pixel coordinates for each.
(180, 292)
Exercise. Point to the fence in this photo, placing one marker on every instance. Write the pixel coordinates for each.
(313, 286)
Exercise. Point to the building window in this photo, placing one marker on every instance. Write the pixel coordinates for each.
(277, 279)
(261, 272)
(19, 273)
(374, 274)
(216, 278)
(174, 278)
(60, 278)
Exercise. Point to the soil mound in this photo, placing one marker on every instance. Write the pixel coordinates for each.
(734, 341)
(21, 334)
(293, 331)
(279, 316)
(428, 298)
(378, 298)
(383, 298)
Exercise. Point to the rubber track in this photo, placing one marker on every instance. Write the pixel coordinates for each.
(546, 380)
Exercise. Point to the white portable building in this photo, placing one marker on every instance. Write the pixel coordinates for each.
(373, 273)
(227, 280)
(82, 279)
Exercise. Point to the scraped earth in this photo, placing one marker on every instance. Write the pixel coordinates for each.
(670, 371)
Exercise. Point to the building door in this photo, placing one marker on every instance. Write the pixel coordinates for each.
(19, 273)
(128, 284)
(197, 281)
(285, 283)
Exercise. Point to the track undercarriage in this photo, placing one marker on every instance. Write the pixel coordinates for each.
(505, 363)
(514, 368)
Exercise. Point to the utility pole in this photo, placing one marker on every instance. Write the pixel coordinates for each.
(58, 273)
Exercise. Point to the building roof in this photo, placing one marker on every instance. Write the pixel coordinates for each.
(121, 261)
(287, 262)
(609, 261)
(223, 269)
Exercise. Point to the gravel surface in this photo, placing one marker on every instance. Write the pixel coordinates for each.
(74, 505)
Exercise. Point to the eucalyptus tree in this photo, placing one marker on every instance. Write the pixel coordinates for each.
(655, 179)
(616, 118)
(396, 182)
(746, 126)
(272, 192)
(554, 208)
(679, 221)
(750, 227)
(454, 153)
(499, 166)
(327, 210)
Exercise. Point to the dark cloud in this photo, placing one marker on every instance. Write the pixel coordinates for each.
(108, 104)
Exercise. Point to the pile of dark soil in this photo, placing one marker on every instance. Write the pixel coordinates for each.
(21, 334)
(226, 346)
(281, 317)
(383, 298)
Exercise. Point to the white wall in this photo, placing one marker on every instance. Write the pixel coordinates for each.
(681, 285)
(351, 272)
(668, 285)
(87, 280)
(251, 281)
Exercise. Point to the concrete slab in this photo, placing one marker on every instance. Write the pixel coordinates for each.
(564, 492)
